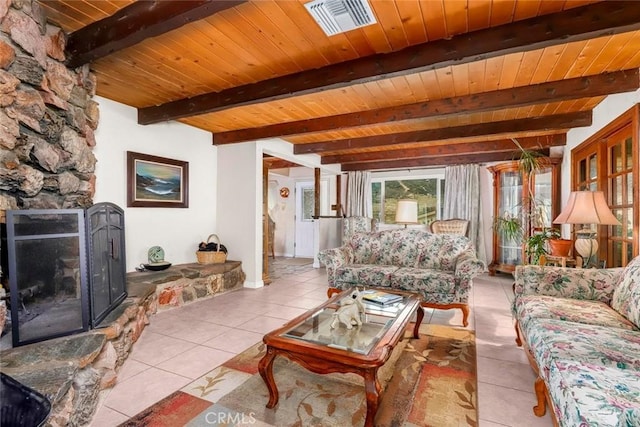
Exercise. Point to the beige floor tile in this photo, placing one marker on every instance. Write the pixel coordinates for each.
(107, 417)
(196, 361)
(320, 280)
(184, 328)
(493, 300)
(507, 352)
(257, 307)
(306, 303)
(224, 318)
(508, 407)
(140, 391)
(263, 324)
(320, 294)
(130, 368)
(514, 375)
(492, 318)
(484, 423)
(284, 312)
(158, 349)
(235, 341)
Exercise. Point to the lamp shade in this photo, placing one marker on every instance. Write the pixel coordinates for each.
(586, 207)
(407, 211)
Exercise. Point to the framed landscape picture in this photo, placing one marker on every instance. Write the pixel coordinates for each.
(156, 182)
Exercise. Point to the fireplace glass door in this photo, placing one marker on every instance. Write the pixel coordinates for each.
(107, 266)
(47, 279)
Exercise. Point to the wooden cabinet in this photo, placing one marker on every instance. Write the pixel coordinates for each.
(534, 199)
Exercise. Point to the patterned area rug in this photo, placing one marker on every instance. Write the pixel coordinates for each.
(430, 381)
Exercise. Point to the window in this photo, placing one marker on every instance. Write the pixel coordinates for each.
(605, 162)
(427, 190)
(308, 203)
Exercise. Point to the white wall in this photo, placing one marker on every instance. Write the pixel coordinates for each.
(240, 198)
(177, 230)
(239, 212)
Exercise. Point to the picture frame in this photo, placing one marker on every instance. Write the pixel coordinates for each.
(156, 182)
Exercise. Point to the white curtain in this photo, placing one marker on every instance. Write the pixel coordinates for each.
(462, 200)
(359, 201)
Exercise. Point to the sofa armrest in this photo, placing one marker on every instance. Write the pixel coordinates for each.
(334, 258)
(576, 283)
(468, 265)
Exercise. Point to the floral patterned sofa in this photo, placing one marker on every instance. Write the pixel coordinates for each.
(440, 267)
(581, 331)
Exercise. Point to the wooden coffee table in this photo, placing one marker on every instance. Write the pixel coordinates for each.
(309, 341)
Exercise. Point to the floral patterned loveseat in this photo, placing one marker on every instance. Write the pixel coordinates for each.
(440, 267)
(581, 331)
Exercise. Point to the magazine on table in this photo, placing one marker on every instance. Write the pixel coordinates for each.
(380, 297)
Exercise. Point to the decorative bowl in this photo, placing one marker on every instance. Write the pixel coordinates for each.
(157, 266)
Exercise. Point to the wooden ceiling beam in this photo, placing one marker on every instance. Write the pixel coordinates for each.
(561, 90)
(581, 23)
(465, 148)
(559, 122)
(437, 161)
(277, 163)
(134, 23)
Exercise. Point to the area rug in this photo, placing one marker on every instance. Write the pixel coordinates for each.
(432, 382)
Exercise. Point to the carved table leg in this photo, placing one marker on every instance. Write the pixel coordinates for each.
(541, 408)
(265, 367)
(372, 389)
(416, 328)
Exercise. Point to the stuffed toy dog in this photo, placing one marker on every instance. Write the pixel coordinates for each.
(349, 311)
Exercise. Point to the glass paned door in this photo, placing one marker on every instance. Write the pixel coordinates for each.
(620, 180)
(510, 206)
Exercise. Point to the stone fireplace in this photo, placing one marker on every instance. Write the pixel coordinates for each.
(47, 121)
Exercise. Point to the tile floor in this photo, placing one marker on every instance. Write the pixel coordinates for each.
(182, 344)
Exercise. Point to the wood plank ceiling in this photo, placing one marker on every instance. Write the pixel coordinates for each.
(432, 82)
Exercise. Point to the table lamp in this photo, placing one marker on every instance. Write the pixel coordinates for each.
(407, 212)
(586, 208)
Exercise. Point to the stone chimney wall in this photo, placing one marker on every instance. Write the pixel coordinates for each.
(47, 115)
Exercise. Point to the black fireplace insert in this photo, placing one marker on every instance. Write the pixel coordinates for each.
(66, 270)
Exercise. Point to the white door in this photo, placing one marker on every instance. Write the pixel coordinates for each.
(304, 220)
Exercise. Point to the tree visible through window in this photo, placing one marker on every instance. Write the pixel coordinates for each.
(387, 192)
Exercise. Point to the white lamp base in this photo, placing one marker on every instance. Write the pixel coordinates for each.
(586, 245)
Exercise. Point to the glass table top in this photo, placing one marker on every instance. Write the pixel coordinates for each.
(316, 328)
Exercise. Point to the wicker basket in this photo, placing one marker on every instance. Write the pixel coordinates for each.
(212, 257)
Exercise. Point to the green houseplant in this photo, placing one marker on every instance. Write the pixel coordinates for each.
(539, 243)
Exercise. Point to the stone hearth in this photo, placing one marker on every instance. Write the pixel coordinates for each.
(71, 371)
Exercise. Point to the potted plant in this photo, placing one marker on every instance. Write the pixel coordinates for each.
(560, 247)
(546, 241)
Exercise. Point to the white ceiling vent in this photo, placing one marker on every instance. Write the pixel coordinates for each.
(339, 16)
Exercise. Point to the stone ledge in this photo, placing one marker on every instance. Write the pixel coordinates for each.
(72, 370)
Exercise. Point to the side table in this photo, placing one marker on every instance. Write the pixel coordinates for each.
(560, 261)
